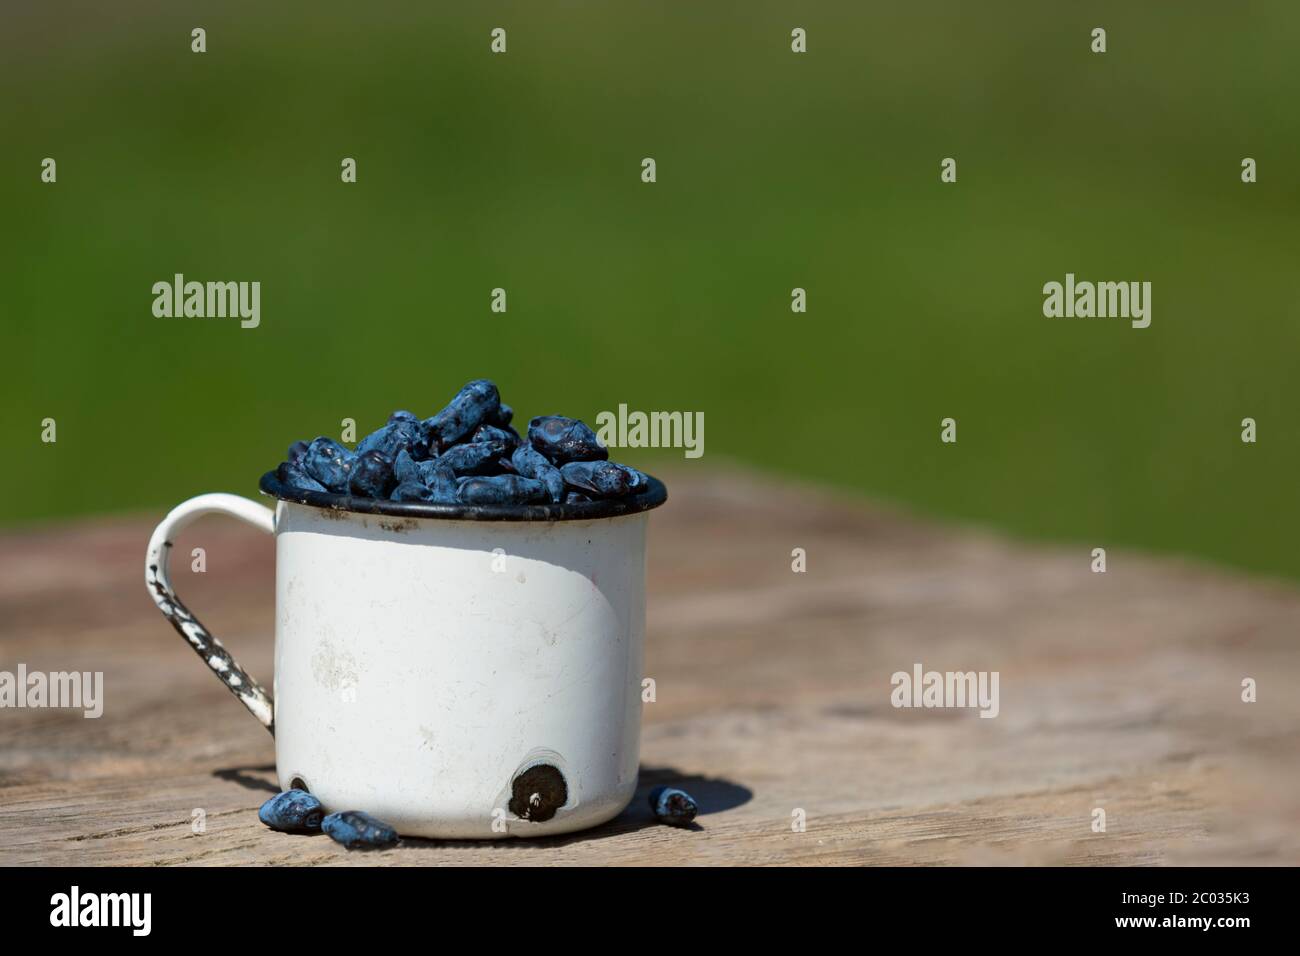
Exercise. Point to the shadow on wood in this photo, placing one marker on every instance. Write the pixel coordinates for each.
(712, 795)
(243, 776)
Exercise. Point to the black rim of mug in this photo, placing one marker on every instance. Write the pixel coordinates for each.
(654, 495)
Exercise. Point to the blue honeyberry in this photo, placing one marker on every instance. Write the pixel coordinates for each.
(471, 407)
(372, 475)
(603, 479)
(575, 498)
(531, 463)
(401, 415)
(416, 437)
(293, 811)
(565, 439)
(425, 470)
(329, 463)
(438, 474)
(479, 458)
(377, 439)
(508, 436)
(294, 477)
(405, 468)
(501, 490)
(413, 436)
(297, 452)
(411, 491)
(503, 416)
(677, 808)
(444, 485)
(358, 830)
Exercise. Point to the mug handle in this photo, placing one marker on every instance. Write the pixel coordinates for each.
(158, 579)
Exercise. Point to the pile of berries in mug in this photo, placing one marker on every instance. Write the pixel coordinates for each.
(466, 454)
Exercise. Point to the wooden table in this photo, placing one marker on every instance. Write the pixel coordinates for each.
(1119, 691)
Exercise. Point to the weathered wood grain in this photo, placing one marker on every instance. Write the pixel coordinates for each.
(1118, 690)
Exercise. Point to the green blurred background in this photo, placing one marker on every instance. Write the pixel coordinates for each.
(775, 170)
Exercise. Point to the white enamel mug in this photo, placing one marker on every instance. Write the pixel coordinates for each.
(458, 671)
